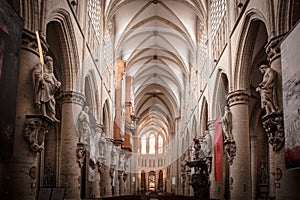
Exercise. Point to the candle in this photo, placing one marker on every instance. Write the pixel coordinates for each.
(40, 51)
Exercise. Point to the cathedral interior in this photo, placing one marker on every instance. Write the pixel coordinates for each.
(149, 99)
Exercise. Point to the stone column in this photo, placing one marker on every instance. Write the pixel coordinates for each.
(240, 169)
(106, 188)
(213, 187)
(276, 150)
(121, 183)
(106, 182)
(254, 163)
(23, 172)
(70, 164)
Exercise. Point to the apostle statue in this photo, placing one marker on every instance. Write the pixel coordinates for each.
(45, 86)
(227, 124)
(84, 127)
(267, 89)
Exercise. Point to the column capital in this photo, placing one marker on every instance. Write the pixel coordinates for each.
(210, 125)
(29, 42)
(238, 97)
(72, 97)
(273, 47)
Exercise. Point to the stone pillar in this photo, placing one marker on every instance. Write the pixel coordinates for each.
(121, 183)
(254, 152)
(271, 169)
(213, 187)
(273, 52)
(240, 169)
(23, 172)
(106, 182)
(276, 150)
(70, 166)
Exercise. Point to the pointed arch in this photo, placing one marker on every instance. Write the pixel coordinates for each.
(203, 117)
(60, 25)
(249, 32)
(106, 115)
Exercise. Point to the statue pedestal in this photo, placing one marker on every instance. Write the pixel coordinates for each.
(273, 125)
(36, 127)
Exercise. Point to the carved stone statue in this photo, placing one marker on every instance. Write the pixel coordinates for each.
(48, 175)
(122, 162)
(199, 154)
(267, 89)
(45, 86)
(101, 143)
(114, 156)
(207, 144)
(84, 125)
(227, 124)
(262, 174)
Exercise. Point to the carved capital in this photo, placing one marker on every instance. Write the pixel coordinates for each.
(230, 149)
(238, 97)
(101, 165)
(125, 175)
(99, 128)
(211, 125)
(36, 127)
(80, 152)
(29, 42)
(120, 174)
(273, 125)
(273, 47)
(73, 97)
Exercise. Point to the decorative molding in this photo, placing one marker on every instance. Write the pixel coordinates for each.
(73, 97)
(273, 125)
(273, 47)
(29, 42)
(36, 127)
(230, 149)
(238, 97)
(80, 152)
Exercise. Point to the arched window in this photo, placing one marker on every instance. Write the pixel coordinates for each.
(152, 144)
(160, 144)
(143, 144)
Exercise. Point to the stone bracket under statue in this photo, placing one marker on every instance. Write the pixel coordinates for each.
(36, 128)
(230, 149)
(273, 125)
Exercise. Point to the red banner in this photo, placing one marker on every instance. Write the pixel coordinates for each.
(218, 150)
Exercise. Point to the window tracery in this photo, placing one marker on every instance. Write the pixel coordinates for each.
(94, 11)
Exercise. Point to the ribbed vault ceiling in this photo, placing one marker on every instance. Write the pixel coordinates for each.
(158, 39)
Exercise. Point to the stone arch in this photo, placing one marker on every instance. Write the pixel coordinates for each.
(62, 29)
(220, 93)
(194, 128)
(203, 117)
(252, 24)
(106, 119)
(90, 92)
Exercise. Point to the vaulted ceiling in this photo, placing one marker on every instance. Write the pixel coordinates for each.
(159, 40)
